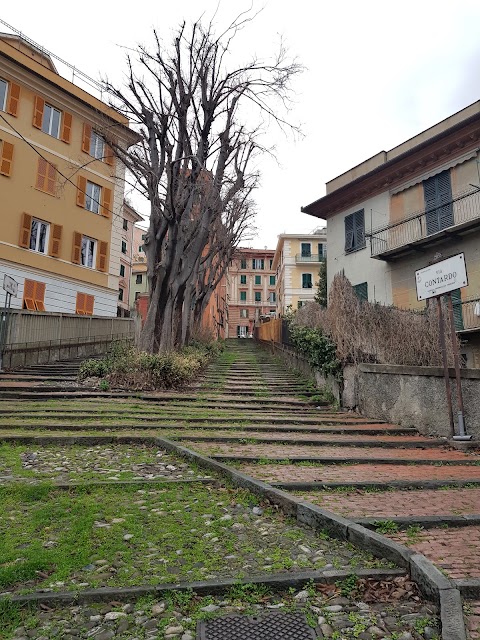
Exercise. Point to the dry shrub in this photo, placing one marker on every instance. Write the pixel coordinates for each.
(370, 332)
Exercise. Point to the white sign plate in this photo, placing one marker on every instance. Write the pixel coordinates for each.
(441, 277)
(10, 285)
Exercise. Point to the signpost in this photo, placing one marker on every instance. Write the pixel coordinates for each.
(10, 286)
(437, 280)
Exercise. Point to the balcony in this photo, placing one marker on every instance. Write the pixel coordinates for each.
(467, 315)
(426, 228)
(313, 257)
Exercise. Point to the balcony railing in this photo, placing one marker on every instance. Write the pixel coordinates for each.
(467, 315)
(426, 227)
(313, 257)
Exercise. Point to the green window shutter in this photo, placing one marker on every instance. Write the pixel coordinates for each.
(243, 279)
(437, 192)
(258, 279)
(272, 280)
(258, 296)
(122, 270)
(359, 229)
(361, 291)
(349, 233)
(457, 310)
(243, 296)
(243, 264)
(306, 280)
(306, 249)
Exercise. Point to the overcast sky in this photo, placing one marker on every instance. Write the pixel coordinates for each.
(377, 73)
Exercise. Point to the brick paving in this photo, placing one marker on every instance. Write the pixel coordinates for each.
(453, 550)
(358, 473)
(472, 619)
(267, 450)
(390, 504)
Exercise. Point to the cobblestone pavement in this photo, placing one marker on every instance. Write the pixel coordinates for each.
(390, 504)
(472, 618)
(75, 463)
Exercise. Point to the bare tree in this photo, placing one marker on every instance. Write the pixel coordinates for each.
(200, 126)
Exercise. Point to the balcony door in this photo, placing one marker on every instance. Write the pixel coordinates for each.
(438, 202)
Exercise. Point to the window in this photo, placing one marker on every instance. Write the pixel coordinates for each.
(97, 146)
(242, 332)
(122, 270)
(120, 294)
(437, 192)
(258, 263)
(271, 263)
(258, 296)
(243, 296)
(272, 281)
(258, 279)
(93, 195)
(306, 249)
(457, 309)
(88, 252)
(46, 177)
(39, 236)
(243, 313)
(306, 280)
(51, 121)
(6, 158)
(272, 297)
(141, 249)
(3, 94)
(243, 279)
(125, 224)
(361, 291)
(124, 246)
(144, 235)
(34, 295)
(300, 304)
(84, 305)
(139, 278)
(355, 231)
(243, 264)
(322, 250)
(137, 293)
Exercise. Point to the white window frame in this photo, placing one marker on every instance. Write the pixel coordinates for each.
(97, 146)
(311, 280)
(243, 331)
(244, 313)
(37, 239)
(93, 197)
(272, 297)
(306, 255)
(48, 129)
(2, 106)
(93, 254)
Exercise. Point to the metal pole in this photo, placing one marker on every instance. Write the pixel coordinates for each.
(443, 347)
(462, 434)
(4, 326)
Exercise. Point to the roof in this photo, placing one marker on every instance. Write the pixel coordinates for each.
(387, 168)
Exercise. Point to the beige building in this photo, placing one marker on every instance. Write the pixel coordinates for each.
(61, 188)
(296, 265)
(395, 212)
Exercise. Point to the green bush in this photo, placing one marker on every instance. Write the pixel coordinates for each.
(124, 366)
(319, 350)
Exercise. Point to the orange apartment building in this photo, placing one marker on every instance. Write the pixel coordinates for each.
(251, 291)
(62, 215)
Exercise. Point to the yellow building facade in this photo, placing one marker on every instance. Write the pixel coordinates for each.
(61, 189)
(297, 264)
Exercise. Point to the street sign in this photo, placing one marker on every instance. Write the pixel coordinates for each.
(10, 285)
(441, 277)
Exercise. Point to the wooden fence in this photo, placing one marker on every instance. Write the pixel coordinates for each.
(270, 331)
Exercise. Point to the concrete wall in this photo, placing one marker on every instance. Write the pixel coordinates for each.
(416, 397)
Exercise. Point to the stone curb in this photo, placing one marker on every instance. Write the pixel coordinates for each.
(112, 483)
(429, 579)
(344, 443)
(395, 484)
(320, 461)
(427, 522)
(277, 582)
(469, 588)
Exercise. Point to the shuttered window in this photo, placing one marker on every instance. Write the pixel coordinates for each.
(355, 231)
(258, 263)
(243, 264)
(437, 191)
(6, 158)
(258, 280)
(307, 281)
(84, 304)
(39, 236)
(306, 249)
(243, 296)
(46, 177)
(457, 309)
(3, 94)
(243, 279)
(361, 291)
(258, 296)
(122, 270)
(34, 295)
(9, 97)
(272, 281)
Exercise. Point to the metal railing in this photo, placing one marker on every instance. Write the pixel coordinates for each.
(313, 257)
(418, 228)
(468, 314)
